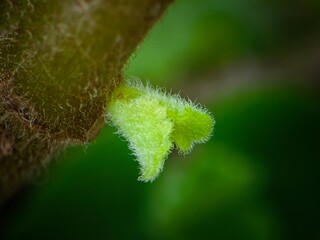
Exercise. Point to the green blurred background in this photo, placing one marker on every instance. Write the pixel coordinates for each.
(256, 66)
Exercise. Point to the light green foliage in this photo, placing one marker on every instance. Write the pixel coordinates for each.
(151, 120)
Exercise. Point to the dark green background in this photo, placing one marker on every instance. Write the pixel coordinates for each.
(254, 64)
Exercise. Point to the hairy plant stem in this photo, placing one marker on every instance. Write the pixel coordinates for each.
(59, 62)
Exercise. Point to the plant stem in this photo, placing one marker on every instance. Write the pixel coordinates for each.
(59, 62)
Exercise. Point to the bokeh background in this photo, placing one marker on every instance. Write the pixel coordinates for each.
(256, 66)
